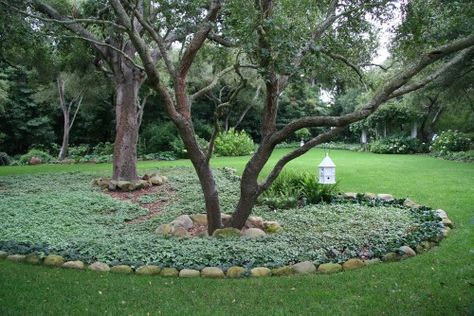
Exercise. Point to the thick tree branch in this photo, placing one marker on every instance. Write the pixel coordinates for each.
(211, 85)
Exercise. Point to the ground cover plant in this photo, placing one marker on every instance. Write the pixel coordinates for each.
(436, 282)
(67, 216)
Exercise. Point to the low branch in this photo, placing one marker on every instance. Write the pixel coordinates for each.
(295, 154)
(221, 40)
(347, 62)
(211, 85)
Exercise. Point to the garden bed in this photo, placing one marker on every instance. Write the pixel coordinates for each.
(64, 214)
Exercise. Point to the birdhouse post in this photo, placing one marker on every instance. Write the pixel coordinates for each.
(327, 171)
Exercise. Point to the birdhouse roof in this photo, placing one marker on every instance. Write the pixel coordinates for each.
(327, 162)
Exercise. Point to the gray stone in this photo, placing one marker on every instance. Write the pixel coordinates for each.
(329, 268)
(182, 221)
(445, 231)
(199, 219)
(304, 267)
(212, 272)
(16, 258)
(164, 229)
(391, 256)
(448, 223)
(53, 261)
(385, 197)
(285, 270)
(370, 196)
(33, 259)
(77, 264)
(148, 270)
(253, 233)
(226, 218)
(254, 221)
(99, 266)
(411, 204)
(272, 227)
(156, 180)
(407, 252)
(441, 213)
(179, 232)
(189, 273)
(260, 272)
(235, 272)
(35, 161)
(372, 261)
(121, 269)
(3, 255)
(350, 195)
(169, 272)
(353, 263)
(227, 232)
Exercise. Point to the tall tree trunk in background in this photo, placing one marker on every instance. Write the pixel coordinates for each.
(126, 131)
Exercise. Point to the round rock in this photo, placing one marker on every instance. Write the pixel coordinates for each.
(148, 270)
(121, 269)
(407, 252)
(77, 264)
(260, 272)
(16, 258)
(189, 273)
(235, 272)
(304, 267)
(353, 263)
(212, 272)
(3, 254)
(228, 232)
(99, 266)
(253, 233)
(285, 270)
(329, 268)
(182, 221)
(53, 261)
(385, 197)
(169, 272)
(33, 259)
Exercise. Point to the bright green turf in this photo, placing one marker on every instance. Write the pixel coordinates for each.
(440, 282)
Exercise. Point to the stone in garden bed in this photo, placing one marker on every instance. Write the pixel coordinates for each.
(353, 263)
(148, 270)
(260, 272)
(448, 223)
(169, 272)
(189, 273)
(3, 254)
(53, 261)
(121, 269)
(33, 259)
(272, 227)
(304, 267)
(411, 204)
(235, 272)
(350, 195)
(228, 232)
(442, 214)
(390, 257)
(212, 272)
(16, 258)
(407, 252)
(253, 233)
(285, 270)
(329, 268)
(77, 264)
(99, 267)
(385, 197)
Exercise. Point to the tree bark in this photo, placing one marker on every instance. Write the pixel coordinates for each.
(65, 143)
(127, 126)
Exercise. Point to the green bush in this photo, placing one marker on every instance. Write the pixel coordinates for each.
(464, 156)
(5, 160)
(78, 152)
(234, 143)
(181, 152)
(103, 149)
(397, 145)
(159, 137)
(291, 189)
(45, 157)
(450, 141)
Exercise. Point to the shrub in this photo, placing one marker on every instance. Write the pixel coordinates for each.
(234, 143)
(291, 189)
(103, 149)
(78, 152)
(45, 157)
(464, 156)
(5, 160)
(159, 137)
(303, 133)
(450, 141)
(181, 152)
(397, 145)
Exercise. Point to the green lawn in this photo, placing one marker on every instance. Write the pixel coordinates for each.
(439, 282)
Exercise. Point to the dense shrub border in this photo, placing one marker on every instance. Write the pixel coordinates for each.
(420, 243)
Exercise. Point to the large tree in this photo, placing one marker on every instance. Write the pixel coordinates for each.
(281, 40)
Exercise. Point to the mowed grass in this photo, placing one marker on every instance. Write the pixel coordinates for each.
(439, 282)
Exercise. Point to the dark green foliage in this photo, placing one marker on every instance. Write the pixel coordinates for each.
(463, 156)
(44, 156)
(234, 143)
(397, 145)
(292, 188)
(450, 141)
(5, 160)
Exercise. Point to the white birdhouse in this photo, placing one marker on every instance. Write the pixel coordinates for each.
(327, 171)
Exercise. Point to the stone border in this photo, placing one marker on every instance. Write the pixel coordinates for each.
(306, 267)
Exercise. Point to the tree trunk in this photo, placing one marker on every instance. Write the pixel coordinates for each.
(127, 126)
(65, 143)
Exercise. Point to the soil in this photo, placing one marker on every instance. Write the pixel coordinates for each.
(154, 208)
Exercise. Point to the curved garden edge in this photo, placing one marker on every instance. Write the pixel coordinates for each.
(304, 267)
